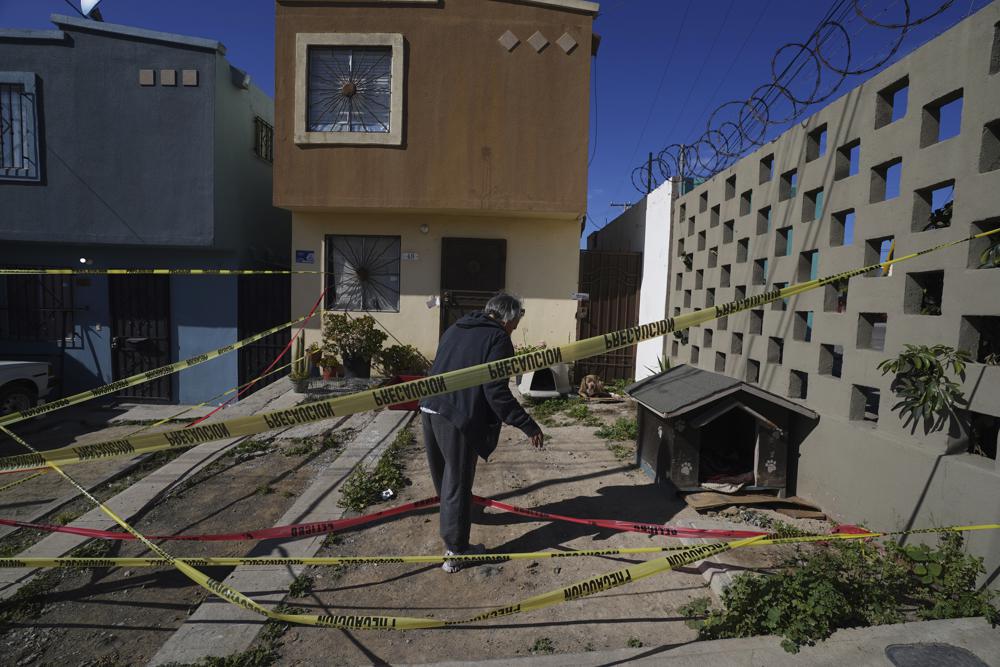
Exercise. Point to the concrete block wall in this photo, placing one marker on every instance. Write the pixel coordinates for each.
(862, 469)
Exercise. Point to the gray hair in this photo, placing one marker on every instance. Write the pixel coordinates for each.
(504, 307)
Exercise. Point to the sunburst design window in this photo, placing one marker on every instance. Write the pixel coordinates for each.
(363, 273)
(349, 88)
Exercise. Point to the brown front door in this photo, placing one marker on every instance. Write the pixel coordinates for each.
(472, 270)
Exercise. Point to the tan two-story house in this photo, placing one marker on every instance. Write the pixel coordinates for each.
(433, 152)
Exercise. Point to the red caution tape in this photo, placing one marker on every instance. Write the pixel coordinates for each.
(298, 530)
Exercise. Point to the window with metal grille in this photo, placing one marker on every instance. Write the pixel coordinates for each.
(349, 89)
(263, 139)
(18, 127)
(363, 273)
(36, 308)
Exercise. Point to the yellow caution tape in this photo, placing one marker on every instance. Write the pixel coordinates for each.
(575, 591)
(160, 422)
(140, 378)
(227, 392)
(430, 386)
(18, 482)
(327, 561)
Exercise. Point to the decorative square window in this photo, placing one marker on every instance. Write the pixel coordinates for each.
(349, 88)
(363, 273)
(19, 158)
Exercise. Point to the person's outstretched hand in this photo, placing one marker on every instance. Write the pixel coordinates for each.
(538, 440)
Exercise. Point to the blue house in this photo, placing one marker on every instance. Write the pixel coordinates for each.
(128, 148)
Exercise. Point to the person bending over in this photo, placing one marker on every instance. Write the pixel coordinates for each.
(463, 425)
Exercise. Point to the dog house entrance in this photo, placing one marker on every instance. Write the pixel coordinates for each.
(728, 449)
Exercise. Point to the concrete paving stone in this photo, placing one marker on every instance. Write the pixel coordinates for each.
(274, 396)
(218, 628)
(90, 480)
(137, 412)
(126, 504)
(858, 647)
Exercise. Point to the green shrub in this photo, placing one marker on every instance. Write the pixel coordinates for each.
(402, 360)
(851, 584)
(625, 429)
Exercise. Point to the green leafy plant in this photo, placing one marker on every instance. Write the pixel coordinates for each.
(582, 414)
(851, 584)
(546, 411)
(662, 362)
(300, 361)
(695, 612)
(923, 384)
(301, 586)
(634, 642)
(624, 429)
(402, 360)
(990, 257)
(346, 336)
(526, 347)
(618, 386)
(364, 485)
(543, 645)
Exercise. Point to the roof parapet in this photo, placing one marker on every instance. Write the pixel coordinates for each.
(63, 21)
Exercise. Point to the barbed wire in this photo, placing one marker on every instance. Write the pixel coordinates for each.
(827, 58)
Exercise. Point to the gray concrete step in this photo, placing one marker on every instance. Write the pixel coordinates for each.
(155, 485)
(218, 628)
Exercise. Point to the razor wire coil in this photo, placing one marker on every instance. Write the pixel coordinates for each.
(737, 127)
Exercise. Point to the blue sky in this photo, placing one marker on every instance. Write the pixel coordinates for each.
(663, 65)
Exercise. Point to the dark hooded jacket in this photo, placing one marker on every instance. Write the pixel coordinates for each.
(478, 411)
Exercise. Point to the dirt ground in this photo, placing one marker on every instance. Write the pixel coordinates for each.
(118, 616)
(121, 617)
(577, 475)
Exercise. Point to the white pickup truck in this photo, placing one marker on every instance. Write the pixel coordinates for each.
(22, 384)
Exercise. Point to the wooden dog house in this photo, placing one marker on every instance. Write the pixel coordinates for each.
(698, 427)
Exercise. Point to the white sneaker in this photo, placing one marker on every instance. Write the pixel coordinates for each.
(452, 566)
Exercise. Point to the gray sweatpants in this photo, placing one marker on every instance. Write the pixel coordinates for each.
(453, 468)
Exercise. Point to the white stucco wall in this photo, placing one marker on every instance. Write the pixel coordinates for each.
(655, 275)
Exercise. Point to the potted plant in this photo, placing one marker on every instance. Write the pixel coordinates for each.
(299, 374)
(354, 339)
(402, 363)
(330, 366)
(315, 353)
(398, 360)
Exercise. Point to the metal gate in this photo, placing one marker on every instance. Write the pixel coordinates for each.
(612, 280)
(472, 270)
(263, 302)
(140, 330)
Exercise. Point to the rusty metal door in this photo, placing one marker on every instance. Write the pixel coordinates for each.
(263, 302)
(140, 330)
(612, 280)
(472, 270)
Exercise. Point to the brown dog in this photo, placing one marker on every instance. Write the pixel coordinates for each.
(592, 387)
